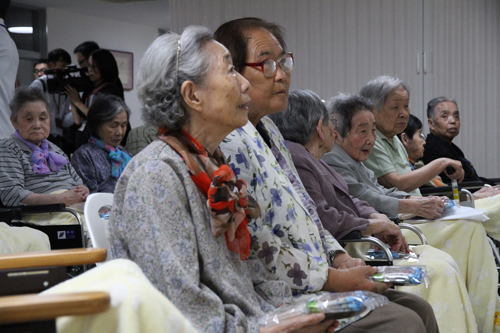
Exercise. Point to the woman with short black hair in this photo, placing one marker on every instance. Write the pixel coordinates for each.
(101, 161)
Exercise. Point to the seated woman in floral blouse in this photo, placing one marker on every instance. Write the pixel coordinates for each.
(101, 161)
(288, 236)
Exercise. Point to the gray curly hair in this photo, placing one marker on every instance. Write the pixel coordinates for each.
(163, 69)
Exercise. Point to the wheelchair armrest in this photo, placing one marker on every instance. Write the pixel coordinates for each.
(435, 190)
(472, 185)
(355, 234)
(493, 181)
(396, 220)
(69, 257)
(60, 207)
(8, 214)
(416, 230)
(25, 308)
(446, 189)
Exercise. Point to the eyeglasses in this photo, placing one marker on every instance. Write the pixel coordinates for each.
(422, 135)
(38, 71)
(269, 67)
(82, 61)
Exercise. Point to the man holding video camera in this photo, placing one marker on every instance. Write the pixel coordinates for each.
(61, 117)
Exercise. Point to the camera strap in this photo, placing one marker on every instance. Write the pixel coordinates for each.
(57, 103)
(102, 85)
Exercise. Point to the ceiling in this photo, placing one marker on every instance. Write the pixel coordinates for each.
(154, 13)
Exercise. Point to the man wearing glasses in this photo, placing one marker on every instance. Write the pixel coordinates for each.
(40, 66)
(83, 51)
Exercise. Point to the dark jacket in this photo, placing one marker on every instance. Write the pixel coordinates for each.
(435, 148)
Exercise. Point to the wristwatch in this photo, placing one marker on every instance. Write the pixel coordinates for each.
(334, 253)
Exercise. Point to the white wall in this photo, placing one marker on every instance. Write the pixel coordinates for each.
(66, 30)
(339, 45)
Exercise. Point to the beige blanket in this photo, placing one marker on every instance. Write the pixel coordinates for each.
(24, 239)
(136, 305)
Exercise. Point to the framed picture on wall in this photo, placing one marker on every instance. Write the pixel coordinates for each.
(125, 61)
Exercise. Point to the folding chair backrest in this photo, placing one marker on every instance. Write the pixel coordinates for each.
(97, 210)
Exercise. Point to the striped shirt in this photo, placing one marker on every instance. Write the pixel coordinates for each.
(17, 179)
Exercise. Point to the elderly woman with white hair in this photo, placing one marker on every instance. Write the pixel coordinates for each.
(464, 240)
(309, 132)
(179, 211)
(389, 160)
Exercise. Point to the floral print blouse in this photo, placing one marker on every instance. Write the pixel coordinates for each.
(160, 221)
(286, 237)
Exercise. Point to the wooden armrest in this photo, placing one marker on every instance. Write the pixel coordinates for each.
(33, 307)
(68, 257)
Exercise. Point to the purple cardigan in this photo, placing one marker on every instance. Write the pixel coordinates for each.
(339, 212)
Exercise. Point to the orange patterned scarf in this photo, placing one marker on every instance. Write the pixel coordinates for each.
(229, 203)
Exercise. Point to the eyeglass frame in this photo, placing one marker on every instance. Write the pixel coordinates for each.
(261, 64)
(91, 65)
(82, 61)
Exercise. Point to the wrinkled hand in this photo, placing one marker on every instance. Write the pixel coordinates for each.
(73, 94)
(313, 323)
(428, 207)
(351, 279)
(395, 242)
(459, 172)
(387, 231)
(76, 195)
(84, 191)
(486, 192)
(344, 260)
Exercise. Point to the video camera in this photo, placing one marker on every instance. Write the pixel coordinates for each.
(57, 79)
